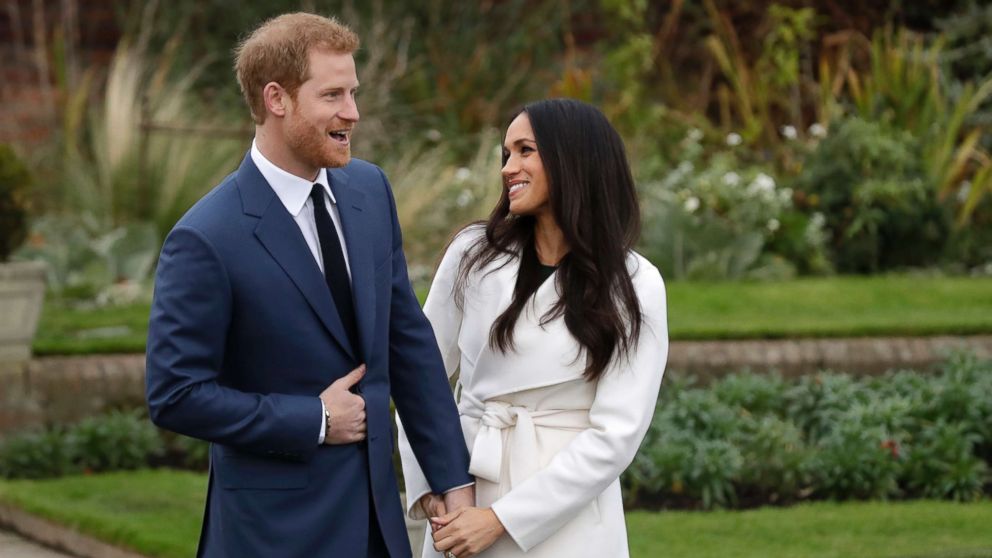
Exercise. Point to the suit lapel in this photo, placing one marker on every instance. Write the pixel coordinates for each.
(358, 236)
(281, 237)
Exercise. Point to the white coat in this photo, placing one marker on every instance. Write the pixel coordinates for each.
(547, 446)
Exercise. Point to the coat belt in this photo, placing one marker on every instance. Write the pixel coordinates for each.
(496, 416)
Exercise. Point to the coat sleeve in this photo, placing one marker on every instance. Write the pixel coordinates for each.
(620, 414)
(445, 318)
(187, 337)
(432, 437)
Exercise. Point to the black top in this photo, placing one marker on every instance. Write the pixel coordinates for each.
(546, 271)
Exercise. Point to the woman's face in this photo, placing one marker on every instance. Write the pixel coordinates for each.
(523, 173)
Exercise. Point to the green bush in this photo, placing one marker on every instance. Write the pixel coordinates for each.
(14, 183)
(879, 203)
(775, 459)
(853, 461)
(113, 442)
(36, 455)
(750, 439)
(120, 440)
(942, 464)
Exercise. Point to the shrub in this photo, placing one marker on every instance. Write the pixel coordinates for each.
(14, 183)
(113, 442)
(942, 464)
(35, 455)
(854, 461)
(816, 403)
(120, 440)
(871, 184)
(775, 459)
(759, 394)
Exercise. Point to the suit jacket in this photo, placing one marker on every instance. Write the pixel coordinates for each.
(547, 446)
(243, 337)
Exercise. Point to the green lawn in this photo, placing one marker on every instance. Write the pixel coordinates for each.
(920, 529)
(820, 307)
(158, 513)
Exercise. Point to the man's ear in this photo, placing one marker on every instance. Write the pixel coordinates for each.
(276, 99)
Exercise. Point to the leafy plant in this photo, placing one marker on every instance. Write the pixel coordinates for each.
(120, 440)
(36, 455)
(880, 209)
(14, 183)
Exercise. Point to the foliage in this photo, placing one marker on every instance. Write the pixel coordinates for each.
(870, 184)
(751, 439)
(904, 88)
(716, 217)
(119, 440)
(86, 261)
(14, 183)
(132, 148)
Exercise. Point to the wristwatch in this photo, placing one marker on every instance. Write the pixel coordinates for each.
(327, 420)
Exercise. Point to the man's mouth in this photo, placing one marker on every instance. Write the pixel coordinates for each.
(342, 137)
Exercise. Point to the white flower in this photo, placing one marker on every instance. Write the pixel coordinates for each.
(433, 135)
(818, 220)
(691, 204)
(762, 183)
(789, 132)
(963, 190)
(685, 167)
(464, 198)
(463, 174)
(734, 139)
(818, 130)
(731, 178)
(773, 225)
(695, 134)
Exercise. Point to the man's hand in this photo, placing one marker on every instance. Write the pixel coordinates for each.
(433, 506)
(347, 410)
(459, 498)
(466, 532)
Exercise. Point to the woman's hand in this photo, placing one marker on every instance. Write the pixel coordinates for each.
(466, 532)
(433, 506)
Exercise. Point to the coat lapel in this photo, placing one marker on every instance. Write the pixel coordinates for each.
(358, 236)
(281, 237)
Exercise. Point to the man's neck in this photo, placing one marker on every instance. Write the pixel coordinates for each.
(271, 145)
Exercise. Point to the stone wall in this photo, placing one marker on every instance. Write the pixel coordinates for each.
(57, 390)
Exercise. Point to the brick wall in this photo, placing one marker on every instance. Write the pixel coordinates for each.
(29, 96)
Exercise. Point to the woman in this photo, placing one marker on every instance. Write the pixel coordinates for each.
(558, 330)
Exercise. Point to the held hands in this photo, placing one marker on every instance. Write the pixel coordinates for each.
(466, 532)
(347, 410)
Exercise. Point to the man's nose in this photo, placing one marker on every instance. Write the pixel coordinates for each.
(350, 111)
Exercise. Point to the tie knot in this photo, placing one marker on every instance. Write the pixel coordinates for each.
(317, 192)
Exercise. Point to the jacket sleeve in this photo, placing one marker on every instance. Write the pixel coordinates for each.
(419, 387)
(620, 414)
(187, 337)
(445, 318)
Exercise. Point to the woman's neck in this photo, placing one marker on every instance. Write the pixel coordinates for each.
(549, 240)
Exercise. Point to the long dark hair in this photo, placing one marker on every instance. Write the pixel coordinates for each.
(594, 202)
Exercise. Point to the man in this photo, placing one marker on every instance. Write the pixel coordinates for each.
(283, 320)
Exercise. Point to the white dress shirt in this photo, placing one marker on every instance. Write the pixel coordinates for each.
(294, 193)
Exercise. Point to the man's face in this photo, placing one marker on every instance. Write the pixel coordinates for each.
(320, 120)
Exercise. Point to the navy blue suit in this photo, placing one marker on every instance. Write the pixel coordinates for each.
(243, 337)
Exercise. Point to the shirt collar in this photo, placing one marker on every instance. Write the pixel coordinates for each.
(291, 190)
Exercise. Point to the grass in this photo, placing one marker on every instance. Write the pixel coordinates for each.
(831, 307)
(157, 513)
(814, 307)
(920, 529)
(153, 512)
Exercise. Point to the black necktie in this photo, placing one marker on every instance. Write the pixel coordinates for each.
(335, 272)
